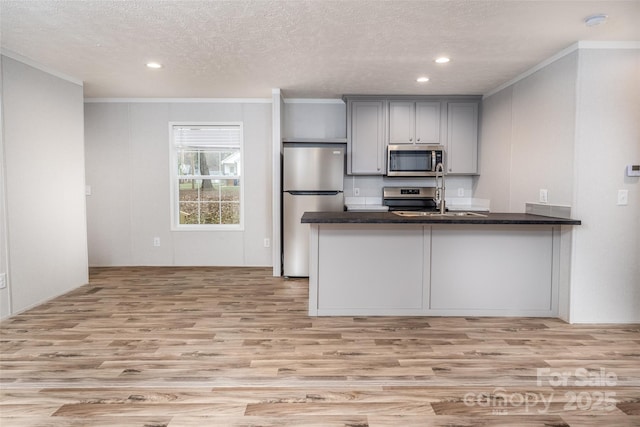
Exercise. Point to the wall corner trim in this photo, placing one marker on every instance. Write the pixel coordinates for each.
(179, 100)
(313, 101)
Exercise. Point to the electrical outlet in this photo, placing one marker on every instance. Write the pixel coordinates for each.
(356, 192)
(156, 242)
(623, 197)
(3, 280)
(460, 192)
(544, 195)
(267, 242)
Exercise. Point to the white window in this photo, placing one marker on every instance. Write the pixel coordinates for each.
(206, 176)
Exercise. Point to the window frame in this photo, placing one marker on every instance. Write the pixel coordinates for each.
(174, 179)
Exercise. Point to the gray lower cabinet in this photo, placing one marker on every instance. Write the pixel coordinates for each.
(462, 138)
(366, 146)
(371, 269)
(503, 268)
(443, 270)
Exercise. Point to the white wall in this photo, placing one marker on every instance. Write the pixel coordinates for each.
(543, 117)
(127, 162)
(572, 127)
(5, 304)
(44, 172)
(606, 254)
(494, 151)
(527, 139)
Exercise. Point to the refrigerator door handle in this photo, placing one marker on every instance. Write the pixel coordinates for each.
(313, 193)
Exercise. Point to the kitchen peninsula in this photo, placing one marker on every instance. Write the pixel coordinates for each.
(382, 263)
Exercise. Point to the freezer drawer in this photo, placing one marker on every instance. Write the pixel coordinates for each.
(313, 168)
(295, 245)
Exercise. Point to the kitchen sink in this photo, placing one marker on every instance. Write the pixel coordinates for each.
(438, 214)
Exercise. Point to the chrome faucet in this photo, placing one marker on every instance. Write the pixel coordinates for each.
(440, 189)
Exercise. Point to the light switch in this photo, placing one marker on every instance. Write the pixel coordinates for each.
(623, 197)
(544, 195)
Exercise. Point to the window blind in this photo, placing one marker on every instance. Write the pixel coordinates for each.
(206, 136)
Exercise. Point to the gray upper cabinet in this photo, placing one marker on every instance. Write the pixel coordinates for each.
(366, 146)
(375, 121)
(402, 122)
(428, 122)
(414, 122)
(462, 138)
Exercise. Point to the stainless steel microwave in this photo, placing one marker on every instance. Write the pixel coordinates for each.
(414, 160)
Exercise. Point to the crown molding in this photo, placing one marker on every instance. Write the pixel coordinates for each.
(35, 64)
(574, 47)
(313, 101)
(180, 100)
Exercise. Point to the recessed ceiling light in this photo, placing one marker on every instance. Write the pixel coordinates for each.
(422, 79)
(154, 65)
(593, 20)
(442, 60)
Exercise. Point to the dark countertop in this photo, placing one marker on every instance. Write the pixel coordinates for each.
(347, 217)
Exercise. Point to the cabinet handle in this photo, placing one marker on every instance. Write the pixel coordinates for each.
(418, 139)
(410, 139)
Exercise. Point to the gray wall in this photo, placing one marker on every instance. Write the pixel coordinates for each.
(45, 223)
(127, 162)
(572, 127)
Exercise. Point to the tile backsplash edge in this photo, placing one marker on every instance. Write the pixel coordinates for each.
(555, 211)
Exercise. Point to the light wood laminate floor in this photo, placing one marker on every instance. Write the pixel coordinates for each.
(235, 347)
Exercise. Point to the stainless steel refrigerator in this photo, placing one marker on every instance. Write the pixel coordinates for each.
(312, 181)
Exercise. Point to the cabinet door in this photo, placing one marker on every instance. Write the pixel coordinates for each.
(507, 268)
(427, 123)
(371, 268)
(401, 122)
(367, 148)
(462, 137)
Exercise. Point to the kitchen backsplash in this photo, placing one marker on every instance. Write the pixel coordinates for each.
(371, 186)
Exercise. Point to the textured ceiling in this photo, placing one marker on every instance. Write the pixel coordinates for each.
(309, 49)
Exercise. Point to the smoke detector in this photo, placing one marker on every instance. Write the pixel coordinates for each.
(594, 20)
